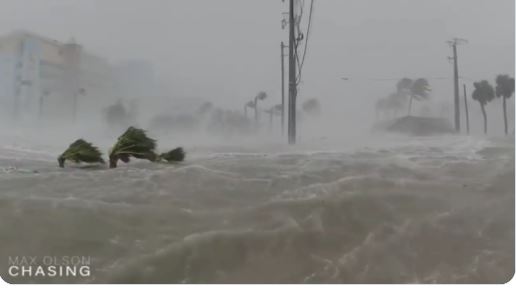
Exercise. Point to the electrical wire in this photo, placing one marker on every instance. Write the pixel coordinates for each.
(307, 37)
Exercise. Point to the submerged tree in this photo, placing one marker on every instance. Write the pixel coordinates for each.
(483, 93)
(81, 151)
(176, 155)
(505, 90)
(133, 143)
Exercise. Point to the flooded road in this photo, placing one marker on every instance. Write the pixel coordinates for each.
(426, 210)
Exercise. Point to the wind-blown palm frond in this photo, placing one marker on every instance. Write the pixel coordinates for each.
(133, 143)
(251, 104)
(176, 155)
(404, 85)
(81, 151)
(504, 86)
(484, 92)
(261, 96)
(420, 89)
(504, 89)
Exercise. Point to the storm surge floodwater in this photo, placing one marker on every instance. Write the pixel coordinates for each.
(414, 210)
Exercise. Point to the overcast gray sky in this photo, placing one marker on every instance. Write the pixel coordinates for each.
(227, 50)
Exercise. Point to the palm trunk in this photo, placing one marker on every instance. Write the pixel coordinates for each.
(256, 111)
(504, 103)
(61, 161)
(409, 106)
(270, 121)
(485, 117)
(40, 109)
(113, 162)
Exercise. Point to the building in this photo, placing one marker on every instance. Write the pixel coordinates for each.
(41, 78)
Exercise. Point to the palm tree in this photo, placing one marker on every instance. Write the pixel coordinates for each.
(274, 110)
(176, 155)
(260, 97)
(133, 143)
(505, 90)
(404, 85)
(81, 151)
(483, 93)
(249, 104)
(418, 90)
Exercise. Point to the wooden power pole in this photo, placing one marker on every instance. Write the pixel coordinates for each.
(466, 108)
(283, 88)
(453, 43)
(292, 76)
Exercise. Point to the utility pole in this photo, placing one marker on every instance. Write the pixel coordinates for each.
(466, 106)
(453, 43)
(283, 88)
(292, 77)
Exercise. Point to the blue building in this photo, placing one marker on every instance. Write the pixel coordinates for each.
(44, 78)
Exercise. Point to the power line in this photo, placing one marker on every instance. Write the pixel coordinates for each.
(307, 37)
(295, 37)
(390, 78)
(292, 76)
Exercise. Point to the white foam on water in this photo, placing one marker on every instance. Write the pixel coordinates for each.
(396, 210)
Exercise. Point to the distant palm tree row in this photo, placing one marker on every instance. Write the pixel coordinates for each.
(484, 93)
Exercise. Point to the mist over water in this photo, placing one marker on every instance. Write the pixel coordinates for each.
(349, 203)
(375, 209)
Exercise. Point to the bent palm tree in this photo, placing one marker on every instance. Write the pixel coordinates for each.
(133, 143)
(419, 90)
(404, 85)
(505, 90)
(260, 97)
(249, 104)
(81, 151)
(483, 93)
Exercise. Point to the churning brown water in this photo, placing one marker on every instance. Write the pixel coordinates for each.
(429, 210)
